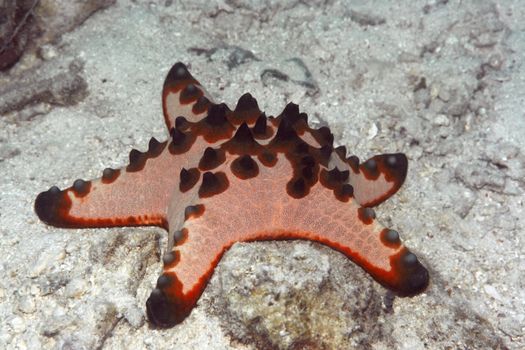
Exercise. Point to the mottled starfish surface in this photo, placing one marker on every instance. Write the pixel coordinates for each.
(229, 176)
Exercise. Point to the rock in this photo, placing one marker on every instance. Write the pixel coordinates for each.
(63, 86)
(283, 294)
(16, 27)
(26, 305)
(33, 24)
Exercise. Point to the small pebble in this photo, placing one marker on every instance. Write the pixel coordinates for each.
(441, 120)
(372, 132)
(26, 305)
(444, 95)
(20, 344)
(47, 259)
(75, 288)
(134, 316)
(34, 290)
(47, 52)
(492, 291)
(5, 336)
(17, 324)
(495, 61)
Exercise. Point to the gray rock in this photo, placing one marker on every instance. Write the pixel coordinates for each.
(45, 84)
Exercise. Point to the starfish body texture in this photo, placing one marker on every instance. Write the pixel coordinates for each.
(227, 176)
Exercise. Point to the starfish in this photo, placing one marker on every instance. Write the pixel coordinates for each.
(227, 176)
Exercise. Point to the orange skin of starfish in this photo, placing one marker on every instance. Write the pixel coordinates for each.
(229, 176)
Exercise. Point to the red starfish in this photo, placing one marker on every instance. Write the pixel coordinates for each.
(228, 176)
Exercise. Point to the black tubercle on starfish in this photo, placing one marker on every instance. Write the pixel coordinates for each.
(109, 175)
(344, 192)
(202, 105)
(261, 129)
(390, 238)
(181, 123)
(52, 204)
(414, 276)
(213, 183)
(341, 152)
(178, 74)
(244, 167)
(179, 235)
(353, 162)
(324, 136)
(211, 158)
(247, 110)
(370, 167)
(81, 187)
(188, 179)
(246, 103)
(285, 135)
(242, 142)
(168, 258)
(366, 215)
(217, 115)
(193, 211)
(181, 141)
(190, 94)
(334, 178)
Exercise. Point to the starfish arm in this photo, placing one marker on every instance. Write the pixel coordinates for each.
(135, 195)
(377, 179)
(183, 96)
(260, 208)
